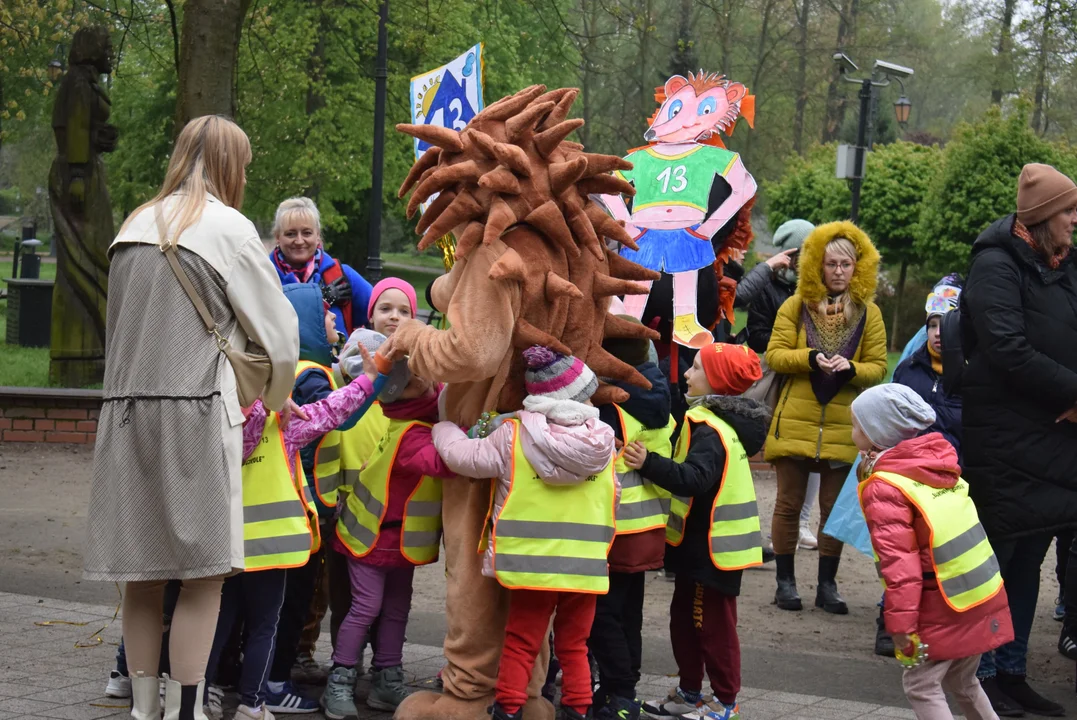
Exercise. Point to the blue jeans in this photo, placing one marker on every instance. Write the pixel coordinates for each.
(172, 591)
(257, 598)
(1019, 561)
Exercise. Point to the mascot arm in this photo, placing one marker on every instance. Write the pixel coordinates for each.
(481, 317)
(743, 186)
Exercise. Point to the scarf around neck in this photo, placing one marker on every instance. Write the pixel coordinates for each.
(302, 274)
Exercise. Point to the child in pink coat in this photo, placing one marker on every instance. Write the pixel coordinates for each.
(562, 438)
(907, 480)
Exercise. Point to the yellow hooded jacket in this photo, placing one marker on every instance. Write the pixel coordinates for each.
(801, 427)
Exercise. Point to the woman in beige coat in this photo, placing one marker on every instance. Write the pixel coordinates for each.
(166, 500)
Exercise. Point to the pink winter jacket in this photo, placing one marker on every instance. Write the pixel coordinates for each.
(902, 540)
(561, 454)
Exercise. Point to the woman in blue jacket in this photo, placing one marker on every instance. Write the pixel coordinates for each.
(300, 258)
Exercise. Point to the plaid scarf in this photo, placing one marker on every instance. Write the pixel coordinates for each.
(1053, 261)
(304, 274)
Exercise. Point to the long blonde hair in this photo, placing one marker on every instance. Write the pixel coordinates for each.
(842, 247)
(210, 157)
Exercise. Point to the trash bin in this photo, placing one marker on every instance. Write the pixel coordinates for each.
(31, 261)
(29, 312)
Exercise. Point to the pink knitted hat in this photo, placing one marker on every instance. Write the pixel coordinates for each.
(560, 377)
(391, 283)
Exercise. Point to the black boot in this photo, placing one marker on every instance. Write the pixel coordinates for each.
(1000, 703)
(566, 713)
(497, 712)
(826, 594)
(768, 555)
(1017, 689)
(884, 644)
(787, 597)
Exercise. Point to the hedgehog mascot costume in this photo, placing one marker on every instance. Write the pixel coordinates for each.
(532, 268)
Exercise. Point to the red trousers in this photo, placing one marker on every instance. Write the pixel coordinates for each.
(703, 630)
(529, 620)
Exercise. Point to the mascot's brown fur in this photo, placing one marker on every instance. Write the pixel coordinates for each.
(531, 268)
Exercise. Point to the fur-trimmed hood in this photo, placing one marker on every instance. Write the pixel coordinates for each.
(810, 285)
(748, 417)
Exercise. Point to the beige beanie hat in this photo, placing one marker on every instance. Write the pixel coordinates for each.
(1043, 192)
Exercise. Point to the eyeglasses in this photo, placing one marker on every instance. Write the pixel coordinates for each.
(845, 266)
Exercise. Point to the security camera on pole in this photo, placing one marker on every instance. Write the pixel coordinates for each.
(852, 159)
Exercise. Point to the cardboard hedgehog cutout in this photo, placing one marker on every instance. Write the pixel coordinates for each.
(532, 267)
(692, 204)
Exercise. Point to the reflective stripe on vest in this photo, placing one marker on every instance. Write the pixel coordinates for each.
(965, 565)
(327, 454)
(554, 537)
(368, 498)
(735, 542)
(644, 505)
(357, 446)
(277, 531)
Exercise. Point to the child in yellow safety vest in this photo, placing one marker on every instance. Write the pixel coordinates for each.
(713, 527)
(944, 591)
(642, 513)
(280, 531)
(389, 522)
(551, 522)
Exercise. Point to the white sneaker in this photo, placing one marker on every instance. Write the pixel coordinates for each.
(674, 705)
(214, 705)
(244, 712)
(119, 686)
(807, 540)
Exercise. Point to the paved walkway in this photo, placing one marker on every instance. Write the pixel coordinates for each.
(43, 674)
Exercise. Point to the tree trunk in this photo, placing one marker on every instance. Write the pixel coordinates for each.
(835, 99)
(801, 76)
(897, 306)
(209, 47)
(683, 60)
(1041, 66)
(1003, 59)
(589, 11)
(646, 89)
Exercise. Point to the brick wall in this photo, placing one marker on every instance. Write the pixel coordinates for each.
(52, 415)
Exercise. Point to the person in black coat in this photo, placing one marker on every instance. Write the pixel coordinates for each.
(1019, 390)
(922, 371)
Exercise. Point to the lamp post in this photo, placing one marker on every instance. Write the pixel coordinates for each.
(882, 73)
(381, 74)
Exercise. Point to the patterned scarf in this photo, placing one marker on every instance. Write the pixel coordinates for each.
(831, 334)
(307, 271)
(1053, 261)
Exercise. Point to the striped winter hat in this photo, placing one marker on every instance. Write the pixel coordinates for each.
(556, 376)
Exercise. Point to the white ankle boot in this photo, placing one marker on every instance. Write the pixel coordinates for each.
(145, 698)
(184, 702)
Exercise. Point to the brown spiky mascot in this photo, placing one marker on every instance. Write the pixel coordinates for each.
(531, 268)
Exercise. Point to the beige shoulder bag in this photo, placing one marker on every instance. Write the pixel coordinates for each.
(252, 371)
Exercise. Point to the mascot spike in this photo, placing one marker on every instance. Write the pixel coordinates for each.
(434, 211)
(500, 219)
(616, 327)
(547, 218)
(559, 113)
(436, 135)
(506, 107)
(469, 239)
(548, 140)
(463, 209)
(513, 157)
(558, 287)
(500, 180)
(607, 185)
(525, 335)
(527, 120)
(601, 164)
(564, 175)
(428, 160)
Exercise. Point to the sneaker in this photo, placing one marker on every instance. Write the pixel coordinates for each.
(386, 689)
(1000, 703)
(214, 702)
(714, 709)
(1017, 689)
(289, 702)
(1060, 609)
(119, 686)
(807, 540)
(677, 703)
(619, 708)
(308, 671)
(338, 701)
(499, 713)
(245, 712)
(1067, 645)
(567, 713)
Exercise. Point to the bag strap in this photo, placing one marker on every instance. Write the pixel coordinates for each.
(181, 274)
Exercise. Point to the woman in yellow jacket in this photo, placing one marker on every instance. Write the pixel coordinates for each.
(830, 343)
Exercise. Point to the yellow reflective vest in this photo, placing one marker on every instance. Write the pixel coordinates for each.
(277, 528)
(965, 564)
(327, 476)
(735, 542)
(367, 499)
(643, 506)
(554, 537)
(357, 446)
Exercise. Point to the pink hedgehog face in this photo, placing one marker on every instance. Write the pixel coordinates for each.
(690, 114)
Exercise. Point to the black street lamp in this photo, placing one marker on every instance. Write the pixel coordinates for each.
(882, 73)
(381, 75)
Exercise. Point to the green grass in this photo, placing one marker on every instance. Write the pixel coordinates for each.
(428, 259)
(20, 366)
(48, 271)
(891, 363)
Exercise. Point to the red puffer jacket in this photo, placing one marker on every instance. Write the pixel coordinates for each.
(902, 540)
